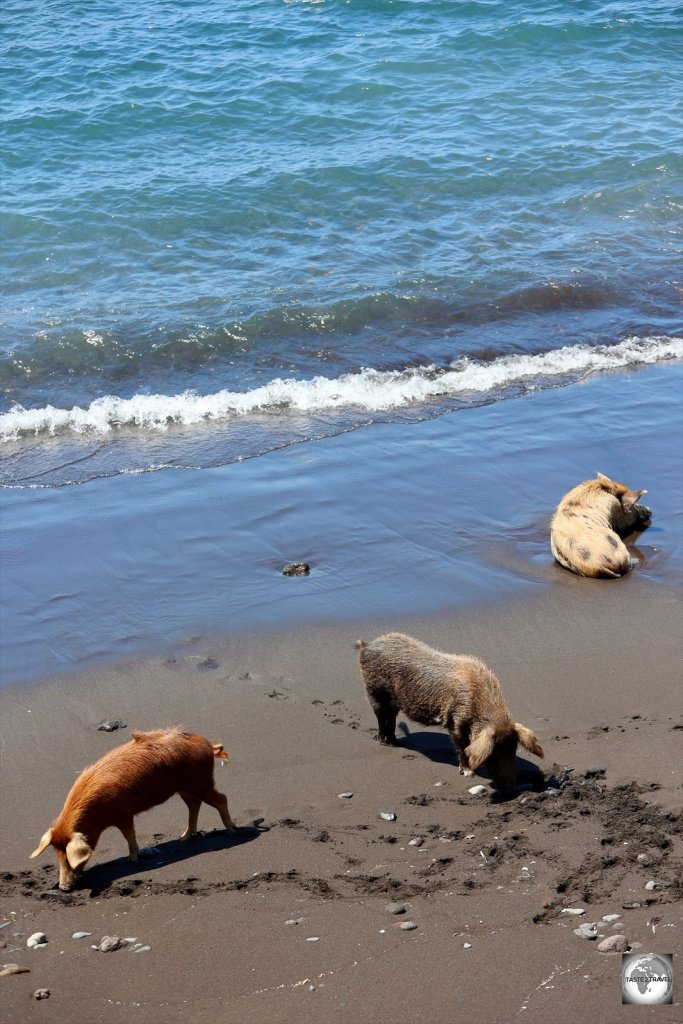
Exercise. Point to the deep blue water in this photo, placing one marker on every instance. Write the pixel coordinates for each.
(224, 196)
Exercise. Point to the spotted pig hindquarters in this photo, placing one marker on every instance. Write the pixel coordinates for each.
(126, 781)
(584, 532)
(454, 691)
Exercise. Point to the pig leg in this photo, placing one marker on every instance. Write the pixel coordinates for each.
(386, 722)
(460, 738)
(128, 832)
(193, 805)
(220, 802)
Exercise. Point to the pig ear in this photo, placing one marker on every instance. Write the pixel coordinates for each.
(630, 498)
(43, 844)
(78, 851)
(480, 748)
(528, 740)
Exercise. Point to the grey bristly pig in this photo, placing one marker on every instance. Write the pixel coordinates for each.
(455, 691)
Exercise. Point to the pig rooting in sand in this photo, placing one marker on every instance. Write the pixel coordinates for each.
(454, 691)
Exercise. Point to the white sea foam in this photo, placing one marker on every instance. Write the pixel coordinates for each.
(368, 390)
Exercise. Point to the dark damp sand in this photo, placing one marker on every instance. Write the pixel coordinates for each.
(604, 699)
(592, 666)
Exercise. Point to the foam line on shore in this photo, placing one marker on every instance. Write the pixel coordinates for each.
(370, 390)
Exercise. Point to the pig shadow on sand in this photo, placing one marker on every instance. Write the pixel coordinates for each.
(98, 879)
(438, 748)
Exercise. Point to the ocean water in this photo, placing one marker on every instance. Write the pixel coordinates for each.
(228, 227)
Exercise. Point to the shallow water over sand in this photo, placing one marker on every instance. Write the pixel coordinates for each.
(394, 520)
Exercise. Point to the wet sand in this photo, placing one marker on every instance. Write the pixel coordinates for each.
(495, 874)
(592, 666)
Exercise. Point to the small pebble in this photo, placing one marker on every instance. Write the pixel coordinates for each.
(294, 920)
(613, 944)
(108, 944)
(313, 938)
(344, 796)
(643, 858)
(610, 917)
(618, 927)
(651, 885)
(417, 841)
(387, 815)
(141, 949)
(36, 940)
(111, 725)
(573, 910)
(407, 926)
(395, 908)
(477, 790)
(630, 906)
(14, 969)
(81, 935)
(439, 783)
(41, 993)
(467, 945)
(586, 931)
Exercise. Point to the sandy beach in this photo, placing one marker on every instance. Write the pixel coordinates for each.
(592, 666)
(494, 875)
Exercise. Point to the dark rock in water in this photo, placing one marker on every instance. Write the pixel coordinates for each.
(296, 569)
(111, 725)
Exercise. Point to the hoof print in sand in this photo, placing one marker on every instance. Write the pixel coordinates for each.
(333, 712)
(207, 665)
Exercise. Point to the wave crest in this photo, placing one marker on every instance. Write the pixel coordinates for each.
(369, 390)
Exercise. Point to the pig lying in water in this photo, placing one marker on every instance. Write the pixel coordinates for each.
(584, 532)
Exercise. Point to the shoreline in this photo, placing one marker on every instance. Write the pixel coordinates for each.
(396, 519)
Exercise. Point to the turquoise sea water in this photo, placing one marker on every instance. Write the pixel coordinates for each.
(302, 217)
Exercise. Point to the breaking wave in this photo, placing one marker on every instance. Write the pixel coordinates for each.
(369, 390)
